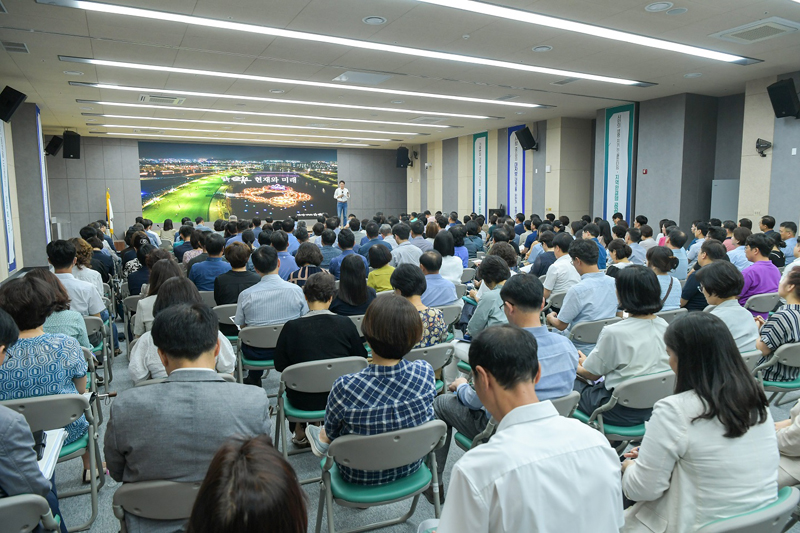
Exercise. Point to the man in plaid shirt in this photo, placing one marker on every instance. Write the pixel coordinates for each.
(388, 395)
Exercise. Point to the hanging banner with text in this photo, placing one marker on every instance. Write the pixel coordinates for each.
(6, 199)
(480, 172)
(516, 173)
(619, 161)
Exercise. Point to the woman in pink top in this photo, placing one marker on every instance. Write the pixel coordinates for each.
(762, 277)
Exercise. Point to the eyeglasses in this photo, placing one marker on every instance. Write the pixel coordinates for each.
(502, 305)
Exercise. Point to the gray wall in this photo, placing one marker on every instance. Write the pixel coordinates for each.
(449, 175)
(375, 183)
(785, 182)
(730, 123)
(699, 144)
(538, 173)
(78, 186)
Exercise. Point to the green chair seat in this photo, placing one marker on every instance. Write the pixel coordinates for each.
(463, 440)
(464, 367)
(293, 412)
(72, 447)
(269, 363)
(439, 385)
(450, 337)
(611, 429)
(98, 348)
(233, 339)
(395, 490)
(469, 300)
(88, 381)
(783, 494)
(790, 385)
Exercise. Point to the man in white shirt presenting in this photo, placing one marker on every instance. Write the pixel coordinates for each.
(520, 481)
(342, 195)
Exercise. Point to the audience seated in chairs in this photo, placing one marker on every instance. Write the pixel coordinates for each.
(353, 296)
(228, 286)
(315, 336)
(409, 282)
(307, 258)
(762, 276)
(346, 241)
(49, 363)
(267, 499)
(561, 276)
(203, 274)
(381, 272)
(714, 437)
(439, 291)
(630, 348)
(520, 481)
(162, 270)
(782, 327)
(172, 430)
(692, 297)
(142, 275)
(543, 261)
(473, 241)
(504, 251)
(198, 242)
(721, 283)
(405, 252)
(620, 254)
(388, 395)
(63, 319)
(84, 266)
(661, 261)
(130, 266)
(452, 266)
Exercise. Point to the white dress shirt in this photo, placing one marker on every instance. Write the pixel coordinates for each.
(688, 474)
(452, 269)
(740, 322)
(561, 275)
(341, 194)
(146, 364)
(540, 472)
(89, 276)
(83, 296)
(143, 319)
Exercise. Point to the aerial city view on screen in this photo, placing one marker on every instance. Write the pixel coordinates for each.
(216, 181)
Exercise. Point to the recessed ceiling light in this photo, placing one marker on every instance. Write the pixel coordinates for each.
(542, 48)
(374, 20)
(466, 35)
(268, 134)
(588, 29)
(277, 91)
(693, 75)
(677, 11)
(240, 105)
(397, 101)
(655, 7)
(249, 77)
(73, 72)
(91, 120)
(270, 141)
(329, 39)
(520, 112)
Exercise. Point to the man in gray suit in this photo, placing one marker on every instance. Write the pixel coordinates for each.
(171, 430)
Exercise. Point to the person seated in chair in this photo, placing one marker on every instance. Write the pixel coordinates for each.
(762, 277)
(389, 395)
(409, 282)
(782, 327)
(721, 283)
(439, 291)
(170, 431)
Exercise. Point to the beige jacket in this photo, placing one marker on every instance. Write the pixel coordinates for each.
(789, 444)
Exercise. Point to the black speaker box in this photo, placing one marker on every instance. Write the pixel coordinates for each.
(783, 95)
(526, 140)
(402, 158)
(72, 145)
(54, 145)
(10, 100)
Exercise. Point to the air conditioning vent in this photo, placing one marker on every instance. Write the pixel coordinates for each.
(758, 31)
(15, 48)
(3, 9)
(507, 97)
(564, 81)
(148, 132)
(165, 100)
(426, 120)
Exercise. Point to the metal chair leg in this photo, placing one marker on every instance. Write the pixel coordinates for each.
(320, 508)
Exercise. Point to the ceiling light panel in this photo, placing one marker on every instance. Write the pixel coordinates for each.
(588, 29)
(216, 139)
(196, 130)
(329, 40)
(281, 101)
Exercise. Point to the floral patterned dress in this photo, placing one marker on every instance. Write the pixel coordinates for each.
(434, 330)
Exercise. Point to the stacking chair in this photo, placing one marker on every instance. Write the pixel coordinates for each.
(468, 275)
(461, 290)
(129, 304)
(566, 405)
(589, 332)
(336, 284)
(357, 321)
(91, 386)
(637, 393)
(256, 337)
(44, 413)
(310, 377)
(451, 313)
(788, 355)
(466, 444)
(25, 512)
(156, 500)
(208, 298)
(380, 452)
(770, 519)
(543, 277)
(556, 300)
(224, 314)
(763, 303)
(437, 356)
(95, 325)
(480, 255)
(672, 316)
(751, 359)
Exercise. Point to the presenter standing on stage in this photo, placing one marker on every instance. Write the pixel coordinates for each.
(342, 195)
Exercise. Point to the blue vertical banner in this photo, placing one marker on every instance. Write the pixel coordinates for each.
(5, 191)
(43, 176)
(516, 173)
(619, 161)
(480, 173)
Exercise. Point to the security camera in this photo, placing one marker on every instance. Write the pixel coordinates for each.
(428, 165)
(762, 146)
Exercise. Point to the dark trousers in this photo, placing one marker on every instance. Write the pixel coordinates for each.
(52, 499)
(593, 396)
(259, 354)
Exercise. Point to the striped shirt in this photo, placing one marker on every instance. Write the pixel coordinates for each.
(783, 327)
(377, 400)
(270, 301)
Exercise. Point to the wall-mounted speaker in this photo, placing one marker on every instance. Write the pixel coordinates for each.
(54, 145)
(783, 95)
(402, 158)
(10, 100)
(526, 140)
(72, 145)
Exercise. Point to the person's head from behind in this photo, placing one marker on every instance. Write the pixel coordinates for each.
(215, 245)
(417, 229)
(186, 233)
(61, 254)
(705, 359)
(619, 250)
(287, 225)
(379, 256)
(647, 231)
(408, 281)
(83, 253)
(249, 237)
(640, 221)
(143, 252)
(265, 237)
(62, 296)
(661, 260)
(279, 240)
(401, 232)
(372, 230)
(431, 230)
(617, 217)
(523, 299)
(720, 281)
(328, 237)
(493, 270)
(29, 301)
(186, 335)
(547, 238)
(712, 250)
(757, 247)
(320, 288)
(472, 228)
(591, 231)
(353, 280)
(561, 243)
(789, 287)
(740, 235)
(506, 252)
(9, 334)
(308, 254)
(237, 254)
(87, 232)
(633, 236)
(354, 224)
(716, 233)
(163, 270)
(346, 239)
(584, 254)
(444, 244)
(267, 498)
(265, 260)
(198, 239)
(638, 291)
(157, 255)
(676, 239)
(391, 326)
(430, 262)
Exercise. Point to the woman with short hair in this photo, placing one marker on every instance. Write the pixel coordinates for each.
(620, 254)
(381, 272)
(409, 282)
(167, 231)
(661, 261)
(431, 231)
(84, 268)
(721, 282)
(198, 241)
(308, 259)
(353, 296)
(63, 320)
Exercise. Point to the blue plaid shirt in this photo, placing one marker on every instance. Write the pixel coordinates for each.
(377, 400)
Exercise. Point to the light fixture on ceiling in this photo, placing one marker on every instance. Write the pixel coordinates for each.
(466, 35)
(374, 20)
(239, 118)
(253, 124)
(307, 83)
(542, 48)
(588, 29)
(269, 141)
(397, 102)
(329, 39)
(657, 7)
(73, 73)
(677, 11)
(277, 91)
(86, 108)
(268, 134)
(693, 75)
(240, 105)
(520, 112)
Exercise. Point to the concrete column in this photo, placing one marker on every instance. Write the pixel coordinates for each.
(435, 176)
(567, 185)
(414, 201)
(756, 171)
(464, 174)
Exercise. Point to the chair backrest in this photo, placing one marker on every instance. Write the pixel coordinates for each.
(336, 284)
(709, 308)
(208, 298)
(588, 332)
(436, 355)
(22, 513)
(130, 303)
(557, 299)
(467, 275)
(762, 303)
(461, 290)
(788, 354)
(87, 354)
(566, 405)
(751, 359)
(107, 290)
(769, 519)
(487, 433)
(480, 255)
(261, 336)
(94, 324)
(124, 290)
(44, 413)
(157, 500)
(392, 449)
(450, 313)
(357, 321)
(543, 277)
(224, 313)
(318, 376)
(672, 316)
(644, 391)
(384, 293)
